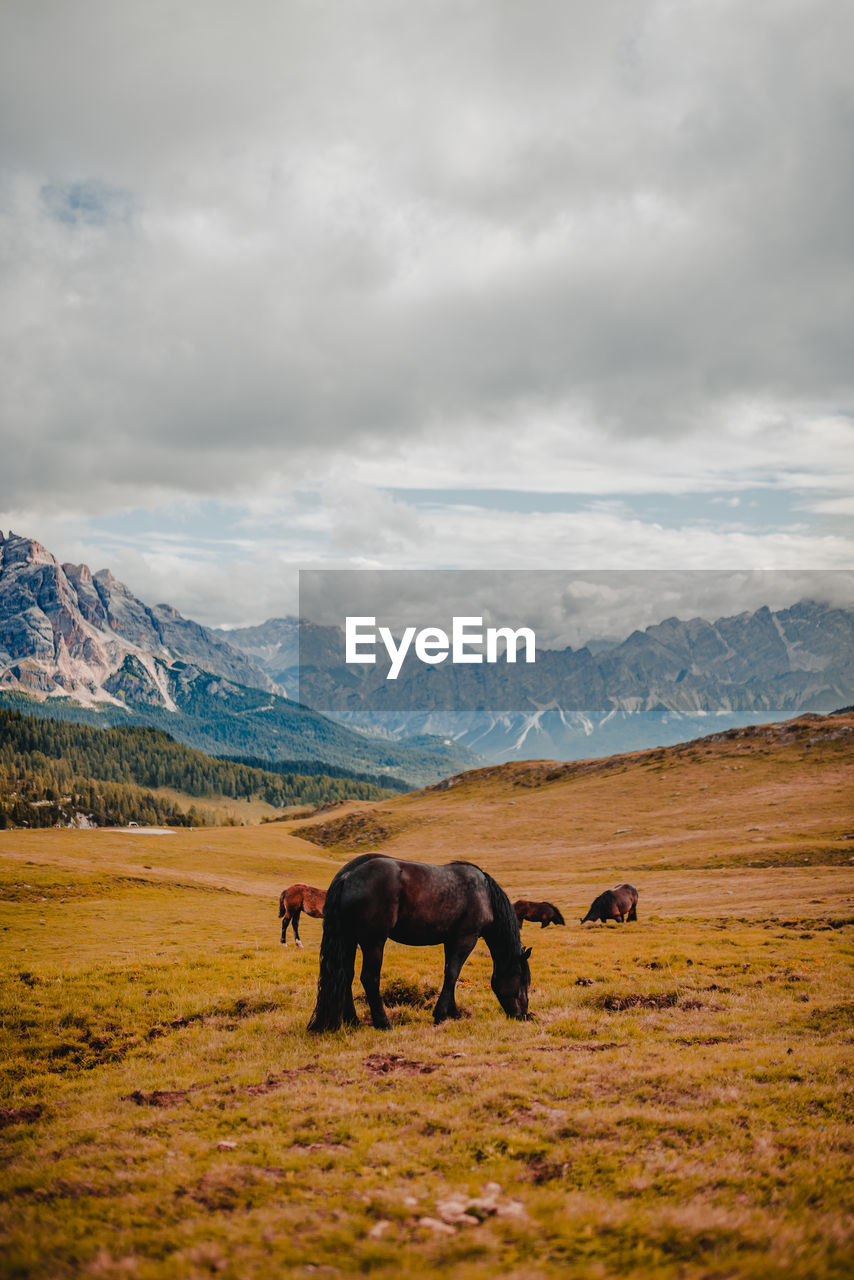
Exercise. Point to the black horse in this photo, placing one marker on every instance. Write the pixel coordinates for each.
(376, 897)
(614, 904)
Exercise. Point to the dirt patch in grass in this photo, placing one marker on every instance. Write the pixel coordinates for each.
(579, 1048)
(174, 1097)
(277, 1082)
(223, 1190)
(540, 1170)
(838, 1017)
(160, 1097)
(380, 1064)
(20, 1115)
(706, 1040)
(636, 1000)
(237, 1010)
(320, 1146)
(60, 1054)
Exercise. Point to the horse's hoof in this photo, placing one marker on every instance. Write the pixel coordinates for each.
(299, 944)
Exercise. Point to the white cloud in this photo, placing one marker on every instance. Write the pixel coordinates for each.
(295, 248)
(244, 568)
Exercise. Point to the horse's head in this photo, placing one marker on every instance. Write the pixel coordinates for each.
(511, 986)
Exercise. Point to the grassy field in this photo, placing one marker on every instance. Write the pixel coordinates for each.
(680, 1106)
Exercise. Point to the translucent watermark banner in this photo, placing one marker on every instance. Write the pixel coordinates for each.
(432, 651)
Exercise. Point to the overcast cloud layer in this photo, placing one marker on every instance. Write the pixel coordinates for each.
(285, 262)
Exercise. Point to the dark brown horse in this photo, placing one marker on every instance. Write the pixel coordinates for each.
(295, 899)
(614, 904)
(542, 913)
(376, 897)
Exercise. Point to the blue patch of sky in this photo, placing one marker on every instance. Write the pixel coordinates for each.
(208, 524)
(91, 203)
(752, 508)
(222, 528)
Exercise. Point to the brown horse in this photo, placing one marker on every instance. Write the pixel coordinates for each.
(614, 904)
(542, 913)
(293, 900)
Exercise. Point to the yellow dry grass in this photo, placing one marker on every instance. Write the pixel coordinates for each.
(680, 1107)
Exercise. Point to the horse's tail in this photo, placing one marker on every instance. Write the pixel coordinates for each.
(504, 922)
(335, 979)
(558, 917)
(282, 903)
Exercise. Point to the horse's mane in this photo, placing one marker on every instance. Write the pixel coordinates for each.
(503, 933)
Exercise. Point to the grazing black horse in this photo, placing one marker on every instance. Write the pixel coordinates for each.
(614, 904)
(376, 897)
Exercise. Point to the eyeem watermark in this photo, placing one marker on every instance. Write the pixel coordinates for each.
(433, 645)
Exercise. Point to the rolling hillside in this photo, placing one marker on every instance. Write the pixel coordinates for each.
(59, 774)
(746, 800)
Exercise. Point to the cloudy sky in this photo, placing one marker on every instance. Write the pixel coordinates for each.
(469, 284)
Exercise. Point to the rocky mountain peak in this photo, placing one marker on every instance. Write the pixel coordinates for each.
(77, 572)
(18, 550)
(67, 631)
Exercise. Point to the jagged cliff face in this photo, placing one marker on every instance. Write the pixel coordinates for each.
(65, 631)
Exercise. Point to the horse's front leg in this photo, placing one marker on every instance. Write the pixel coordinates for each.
(456, 954)
(295, 919)
(372, 963)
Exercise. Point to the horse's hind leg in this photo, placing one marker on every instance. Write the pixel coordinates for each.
(349, 1016)
(456, 954)
(295, 920)
(286, 919)
(372, 963)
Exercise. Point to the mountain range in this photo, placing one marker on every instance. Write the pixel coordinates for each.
(80, 646)
(670, 683)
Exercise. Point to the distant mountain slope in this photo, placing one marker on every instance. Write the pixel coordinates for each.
(80, 646)
(224, 719)
(68, 632)
(673, 681)
(272, 645)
